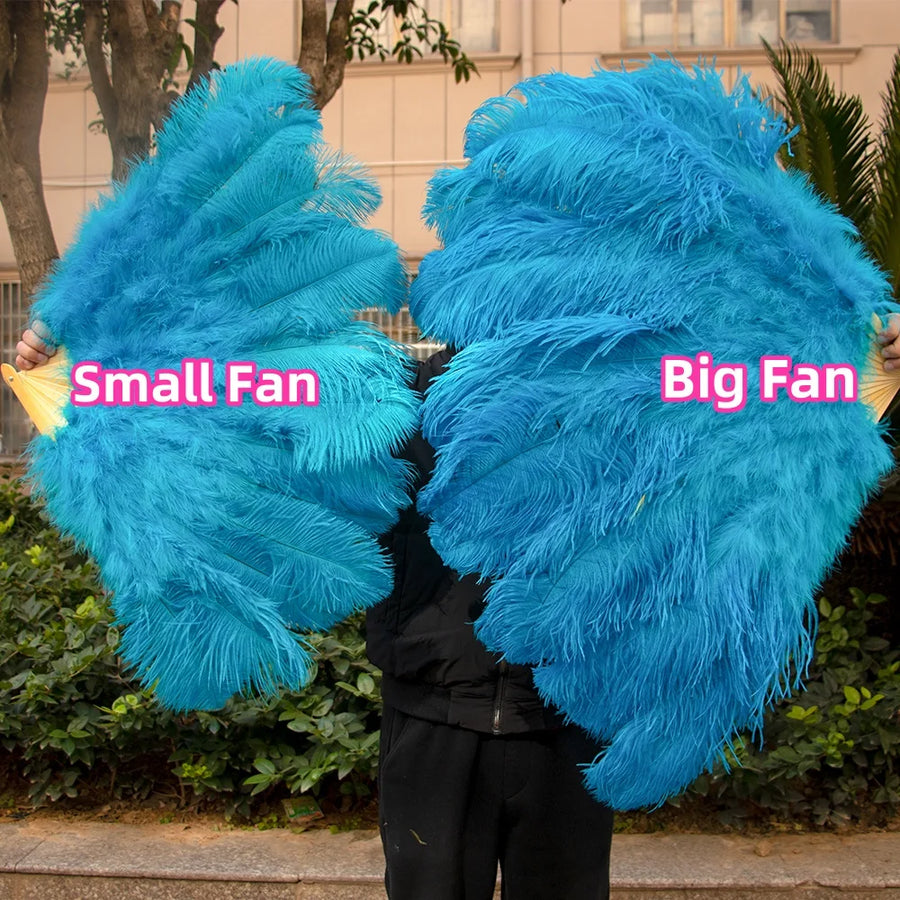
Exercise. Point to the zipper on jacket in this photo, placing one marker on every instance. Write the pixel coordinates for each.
(503, 667)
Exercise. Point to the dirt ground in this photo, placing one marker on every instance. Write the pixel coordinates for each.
(690, 819)
(299, 814)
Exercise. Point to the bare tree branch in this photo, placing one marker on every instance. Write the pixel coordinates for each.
(207, 32)
(6, 52)
(137, 17)
(336, 48)
(164, 24)
(24, 113)
(169, 16)
(94, 25)
(313, 41)
(142, 40)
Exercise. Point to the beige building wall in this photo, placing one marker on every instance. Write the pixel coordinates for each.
(405, 121)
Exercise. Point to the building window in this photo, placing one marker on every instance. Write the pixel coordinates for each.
(679, 24)
(473, 23)
(673, 23)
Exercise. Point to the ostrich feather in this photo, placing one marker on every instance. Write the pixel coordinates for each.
(655, 562)
(224, 532)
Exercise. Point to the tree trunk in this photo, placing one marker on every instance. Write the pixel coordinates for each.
(323, 47)
(23, 48)
(142, 38)
(207, 32)
(140, 49)
(27, 220)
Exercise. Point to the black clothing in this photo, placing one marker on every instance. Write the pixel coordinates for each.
(434, 667)
(474, 769)
(454, 802)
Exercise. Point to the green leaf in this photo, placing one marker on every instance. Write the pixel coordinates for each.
(852, 695)
(785, 754)
(872, 701)
(258, 779)
(265, 766)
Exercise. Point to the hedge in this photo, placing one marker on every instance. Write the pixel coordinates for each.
(74, 724)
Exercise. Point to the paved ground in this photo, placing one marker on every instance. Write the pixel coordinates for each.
(93, 861)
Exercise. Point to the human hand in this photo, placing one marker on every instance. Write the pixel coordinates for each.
(889, 338)
(33, 350)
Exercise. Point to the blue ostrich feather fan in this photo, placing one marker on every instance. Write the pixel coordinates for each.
(225, 530)
(654, 561)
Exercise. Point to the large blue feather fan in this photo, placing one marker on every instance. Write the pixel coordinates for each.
(223, 530)
(654, 561)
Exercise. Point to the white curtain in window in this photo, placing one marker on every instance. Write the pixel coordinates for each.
(674, 23)
(471, 22)
(757, 19)
(700, 23)
(808, 20)
(671, 24)
(474, 25)
(649, 23)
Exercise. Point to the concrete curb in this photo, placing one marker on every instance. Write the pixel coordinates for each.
(95, 861)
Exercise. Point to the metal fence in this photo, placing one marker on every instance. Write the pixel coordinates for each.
(403, 330)
(16, 428)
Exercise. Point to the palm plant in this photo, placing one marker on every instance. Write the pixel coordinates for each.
(859, 172)
(855, 170)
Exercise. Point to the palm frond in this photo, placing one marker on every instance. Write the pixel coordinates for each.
(833, 144)
(789, 100)
(884, 229)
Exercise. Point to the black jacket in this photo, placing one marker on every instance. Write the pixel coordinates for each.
(421, 636)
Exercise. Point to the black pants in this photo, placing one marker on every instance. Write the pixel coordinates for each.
(454, 803)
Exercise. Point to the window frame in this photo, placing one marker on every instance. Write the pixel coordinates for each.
(446, 12)
(729, 29)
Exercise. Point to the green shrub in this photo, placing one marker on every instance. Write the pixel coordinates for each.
(73, 722)
(832, 752)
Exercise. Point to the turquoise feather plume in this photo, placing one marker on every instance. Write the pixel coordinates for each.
(655, 562)
(225, 532)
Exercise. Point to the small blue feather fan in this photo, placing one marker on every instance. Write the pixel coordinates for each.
(655, 561)
(225, 529)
